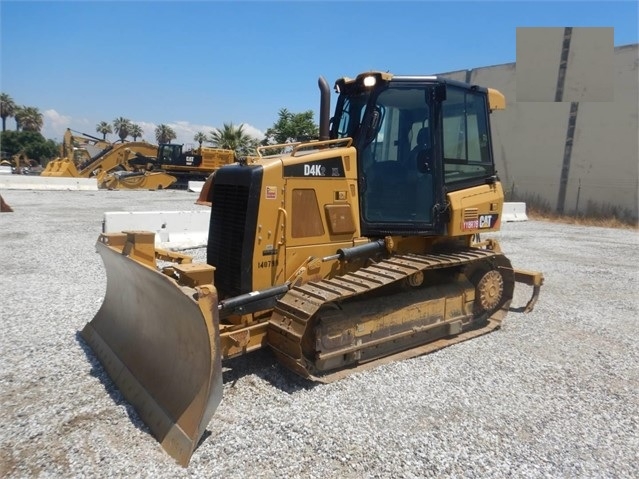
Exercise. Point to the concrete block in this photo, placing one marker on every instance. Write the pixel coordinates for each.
(514, 211)
(50, 183)
(195, 186)
(173, 229)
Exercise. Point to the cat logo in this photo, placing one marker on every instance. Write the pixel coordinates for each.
(314, 170)
(482, 222)
(485, 221)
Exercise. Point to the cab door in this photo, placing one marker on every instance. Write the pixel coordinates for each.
(400, 182)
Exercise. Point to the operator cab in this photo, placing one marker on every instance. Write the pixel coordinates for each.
(417, 137)
(171, 154)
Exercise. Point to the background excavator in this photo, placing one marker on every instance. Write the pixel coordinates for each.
(85, 156)
(186, 165)
(354, 250)
(132, 165)
(77, 148)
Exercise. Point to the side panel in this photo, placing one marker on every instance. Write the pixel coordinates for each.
(477, 209)
(322, 208)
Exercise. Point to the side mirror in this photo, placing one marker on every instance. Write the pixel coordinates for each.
(439, 92)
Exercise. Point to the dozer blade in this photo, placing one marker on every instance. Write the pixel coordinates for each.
(159, 343)
(204, 198)
(4, 207)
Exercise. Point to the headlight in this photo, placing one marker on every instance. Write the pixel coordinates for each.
(370, 81)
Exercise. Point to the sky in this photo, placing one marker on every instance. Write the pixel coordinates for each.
(197, 65)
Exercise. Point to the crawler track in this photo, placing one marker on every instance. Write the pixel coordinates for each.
(293, 330)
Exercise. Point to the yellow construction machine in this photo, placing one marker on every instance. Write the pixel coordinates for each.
(85, 156)
(77, 148)
(134, 165)
(344, 253)
(134, 180)
(186, 165)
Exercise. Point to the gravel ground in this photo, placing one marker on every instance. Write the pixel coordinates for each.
(554, 393)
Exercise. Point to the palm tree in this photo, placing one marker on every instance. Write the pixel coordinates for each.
(135, 131)
(122, 127)
(232, 137)
(199, 137)
(104, 128)
(7, 108)
(29, 118)
(17, 116)
(164, 134)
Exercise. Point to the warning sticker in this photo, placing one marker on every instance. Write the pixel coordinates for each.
(271, 192)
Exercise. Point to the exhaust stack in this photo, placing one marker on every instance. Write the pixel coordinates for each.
(325, 109)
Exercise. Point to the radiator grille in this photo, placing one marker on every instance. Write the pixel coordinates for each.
(470, 214)
(226, 236)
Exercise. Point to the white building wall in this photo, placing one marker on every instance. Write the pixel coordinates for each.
(529, 141)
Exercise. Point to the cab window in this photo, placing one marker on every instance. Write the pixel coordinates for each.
(465, 136)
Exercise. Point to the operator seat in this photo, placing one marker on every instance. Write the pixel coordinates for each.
(420, 161)
(421, 154)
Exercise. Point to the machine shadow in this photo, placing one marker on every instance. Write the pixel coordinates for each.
(263, 364)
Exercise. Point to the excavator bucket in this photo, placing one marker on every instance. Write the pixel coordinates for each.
(60, 167)
(156, 334)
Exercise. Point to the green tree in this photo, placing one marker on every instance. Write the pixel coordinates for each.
(31, 143)
(136, 131)
(292, 127)
(122, 127)
(7, 109)
(43, 151)
(234, 138)
(164, 134)
(200, 138)
(104, 128)
(29, 118)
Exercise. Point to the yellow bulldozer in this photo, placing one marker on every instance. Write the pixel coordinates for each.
(343, 253)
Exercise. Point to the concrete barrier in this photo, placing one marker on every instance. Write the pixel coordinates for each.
(173, 229)
(51, 183)
(195, 186)
(514, 212)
